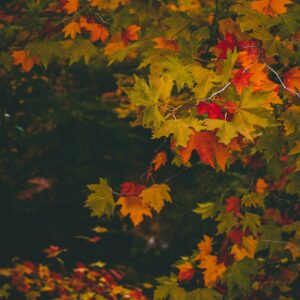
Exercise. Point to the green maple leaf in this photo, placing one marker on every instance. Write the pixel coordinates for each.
(178, 71)
(227, 130)
(206, 210)
(250, 113)
(181, 129)
(46, 50)
(200, 294)
(80, 48)
(270, 239)
(227, 222)
(204, 80)
(227, 67)
(100, 201)
(168, 289)
(4, 291)
(238, 276)
(251, 221)
(142, 94)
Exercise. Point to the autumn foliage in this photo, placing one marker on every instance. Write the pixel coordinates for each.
(218, 83)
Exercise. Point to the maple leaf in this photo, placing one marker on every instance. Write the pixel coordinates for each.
(213, 273)
(130, 33)
(229, 43)
(205, 247)
(23, 58)
(292, 79)
(131, 202)
(97, 31)
(163, 43)
(101, 201)
(213, 110)
(236, 236)
(107, 5)
(270, 7)
(206, 210)
(186, 271)
(71, 29)
(155, 195)
(53, 251)
(181, 129)
(246, 249)
(71, 6)
(115, 44)
(159, 160)
(208, 149)
(260, 186)
(251, 221)
(233, 204)
(241, 80)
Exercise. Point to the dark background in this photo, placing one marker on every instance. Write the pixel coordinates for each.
(54, 125)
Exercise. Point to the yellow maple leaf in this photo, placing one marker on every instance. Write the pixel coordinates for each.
(133, 206)
(159, 160)
(71, 6)
(72, 29)
(155, 195)
(246, 249)
(271, 7)
(23, 58)
(43, 272)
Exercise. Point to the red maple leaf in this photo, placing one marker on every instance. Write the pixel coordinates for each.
(236, 236)
(233, 204)
(230, 42)
(241, 80)
(213, 110)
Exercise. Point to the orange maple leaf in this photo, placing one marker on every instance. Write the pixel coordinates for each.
(72, 29)
(71, 6)
(115, 44)
(97, 31)
(186, 271)
(130, 33)
(260, 186)
(23, 58)
(246, 249)
(159, 160)
(163, 43)
(205, 247)
(292, 78)
(131, 202)
(271, 7)
(207, 147)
